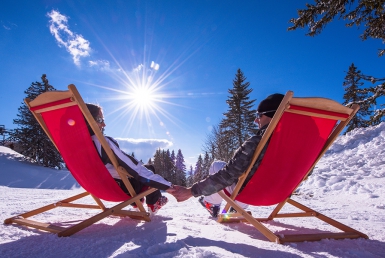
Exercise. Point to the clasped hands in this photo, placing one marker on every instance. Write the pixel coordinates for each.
(180, 193)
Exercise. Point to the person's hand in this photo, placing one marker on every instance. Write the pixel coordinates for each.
(181, 193)
(171, 189)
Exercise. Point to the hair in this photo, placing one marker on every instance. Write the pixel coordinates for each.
(94, 110)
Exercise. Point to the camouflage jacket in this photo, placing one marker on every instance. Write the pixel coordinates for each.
(230, 173)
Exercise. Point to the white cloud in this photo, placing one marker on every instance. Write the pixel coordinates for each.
(154, 66)
(8, 25)
(74, 43)
(100, 64)
(138, 68)
(144, 149)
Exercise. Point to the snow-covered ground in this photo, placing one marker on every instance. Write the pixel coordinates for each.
(348, 185)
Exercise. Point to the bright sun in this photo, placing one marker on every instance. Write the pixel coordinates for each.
(143, 97)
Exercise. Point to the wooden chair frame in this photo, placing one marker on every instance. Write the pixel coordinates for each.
(242, 216)
(57, 97)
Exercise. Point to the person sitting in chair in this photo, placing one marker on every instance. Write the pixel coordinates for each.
(143, 175)
(224, 176)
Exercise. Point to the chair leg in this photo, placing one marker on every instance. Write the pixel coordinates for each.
(277, 209)
(115, 210)
(48, 207)
(111, 211)
(307, 212)
(258, 225)
(326, 219)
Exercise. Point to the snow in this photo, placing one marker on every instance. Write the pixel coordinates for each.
(348, 185)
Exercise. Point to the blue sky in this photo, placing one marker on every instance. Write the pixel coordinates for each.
(183, 53)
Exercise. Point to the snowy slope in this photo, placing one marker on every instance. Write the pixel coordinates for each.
(17, 171)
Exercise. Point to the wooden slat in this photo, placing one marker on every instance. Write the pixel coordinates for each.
(76, 197)
(293, 215)
(277, 209)
(322, 104)
(233, 215)
(124, 213)
(55, 107)
(50, 96)
(240, 219)
(317, 237)
(306, 113)
(77, 205)
(39, 225)
(98, 202)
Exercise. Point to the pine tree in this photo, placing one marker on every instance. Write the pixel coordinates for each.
(369, 113)
(172, 163)
(169, 167)
(180, 169)
(158, 162)
(218, 145)
(206, 165)
(164, 165)
(238, 124)
(352, 95)
(369, 13)
(198, 173)
(29, 135)
(190, 177)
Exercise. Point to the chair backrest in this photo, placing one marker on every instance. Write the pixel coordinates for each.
(60, 113)
(305, 129)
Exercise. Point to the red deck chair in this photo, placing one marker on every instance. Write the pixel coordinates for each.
(61, 114)
(299, 134)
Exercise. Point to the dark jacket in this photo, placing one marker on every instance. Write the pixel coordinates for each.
(237, 165)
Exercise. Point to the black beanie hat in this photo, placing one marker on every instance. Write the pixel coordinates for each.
(271, 103)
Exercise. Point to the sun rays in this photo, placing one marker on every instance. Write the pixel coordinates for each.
(143, 96)
(140, 99)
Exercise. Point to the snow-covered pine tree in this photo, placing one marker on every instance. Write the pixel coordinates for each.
(352, 84)
(29, 135)
(198, 173)
(169, 167)
(157, 162)
(206, 165)
(238, 124)
(370, 14)
(164, 165)
(190, 177)
(370, 113)
(180, 169)
(173, 169)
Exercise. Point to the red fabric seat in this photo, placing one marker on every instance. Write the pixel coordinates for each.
(293, 148)
(70, 134)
